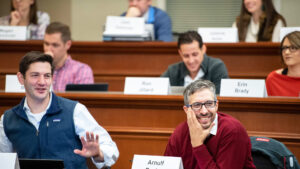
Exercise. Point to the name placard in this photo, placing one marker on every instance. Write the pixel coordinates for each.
(147, 85)
(12, 84)
(156, 162)
(9, 161)
(13, 32)
(243, 88)
(219, 35)
(285, 30)
(124, 26)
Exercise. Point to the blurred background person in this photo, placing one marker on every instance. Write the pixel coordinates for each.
(152, 15)
(25, 13)
(286, 81)
(259, 21)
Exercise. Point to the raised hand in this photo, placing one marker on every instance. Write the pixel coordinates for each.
(90, 147)
(133, 12)
(15, 18)
(197, 133)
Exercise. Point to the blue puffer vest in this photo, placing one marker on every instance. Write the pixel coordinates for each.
(55, 138)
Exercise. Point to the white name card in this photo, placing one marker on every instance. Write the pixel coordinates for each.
(9, 161)
(286, 30)
(156, 162)
(13, 32)
(243, 88)
(12, 84)
(124, 26)
(147, 85)
(219, 35)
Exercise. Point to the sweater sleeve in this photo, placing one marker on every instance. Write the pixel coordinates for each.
(231, 154)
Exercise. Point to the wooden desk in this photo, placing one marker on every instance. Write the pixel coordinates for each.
(142, 124)
(113, 61)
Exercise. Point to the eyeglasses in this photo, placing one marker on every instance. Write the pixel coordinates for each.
(291, 48)
(198, 106)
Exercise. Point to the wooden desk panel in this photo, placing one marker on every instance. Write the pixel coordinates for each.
(142, 124)
(113, 61)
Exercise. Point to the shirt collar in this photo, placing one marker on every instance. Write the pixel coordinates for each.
(214, 129)
(188, 79)
(27, 109)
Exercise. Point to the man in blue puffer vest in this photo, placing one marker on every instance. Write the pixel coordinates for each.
(45, 126)
(152, 15)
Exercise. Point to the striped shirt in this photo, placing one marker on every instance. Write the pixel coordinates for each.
(72, 72)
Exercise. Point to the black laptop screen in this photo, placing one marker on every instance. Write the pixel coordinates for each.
(41, 163)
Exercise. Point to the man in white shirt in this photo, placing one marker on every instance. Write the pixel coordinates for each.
(44, 125)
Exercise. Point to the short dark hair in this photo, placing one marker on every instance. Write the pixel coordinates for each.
(58, 27)
(33, 57)
(189, 37)
(197, 86)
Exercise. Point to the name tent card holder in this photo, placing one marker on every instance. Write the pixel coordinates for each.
(147, 85)
(243, 88)
(219, 35)
(124, 26)
(286, 30)
(12, 84)
(13, 32)
(156, 162)
(9, 161)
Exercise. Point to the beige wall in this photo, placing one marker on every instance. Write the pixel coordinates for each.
(289, 10)
(87, 17)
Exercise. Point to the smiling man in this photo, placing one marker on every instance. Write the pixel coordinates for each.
(195, 63)
(47, 126)
(209, 139)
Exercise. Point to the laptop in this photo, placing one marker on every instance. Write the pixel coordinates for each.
(26, 163)
(87, 87)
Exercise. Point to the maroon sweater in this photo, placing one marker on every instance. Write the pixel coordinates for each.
(230, 148)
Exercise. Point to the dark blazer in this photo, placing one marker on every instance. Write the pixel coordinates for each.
(214, 70)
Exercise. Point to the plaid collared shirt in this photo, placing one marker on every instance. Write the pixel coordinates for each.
(72, 72)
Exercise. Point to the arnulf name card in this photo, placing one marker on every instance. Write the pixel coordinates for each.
(243, 88)
(156, 162)
(147, 85)
(13, 32)
(219, 35)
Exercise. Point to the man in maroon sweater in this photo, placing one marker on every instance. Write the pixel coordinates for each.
(209, 139)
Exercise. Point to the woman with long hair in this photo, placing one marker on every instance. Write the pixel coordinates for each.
(286, 81)
(25, 13)
(259, 21)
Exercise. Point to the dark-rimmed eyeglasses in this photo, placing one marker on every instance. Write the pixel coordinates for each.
(291, 48)
(198, 105)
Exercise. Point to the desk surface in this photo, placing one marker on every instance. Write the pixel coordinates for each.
(113, 61)
(142, 124)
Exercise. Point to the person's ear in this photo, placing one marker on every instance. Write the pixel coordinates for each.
(180, 53)
(185, 109)
(203, 49)
(68, 44)
(21, 78)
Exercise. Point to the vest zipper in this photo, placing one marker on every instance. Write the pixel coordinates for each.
(37, 132)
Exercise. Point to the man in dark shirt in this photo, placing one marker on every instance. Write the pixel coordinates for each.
(195, 63)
